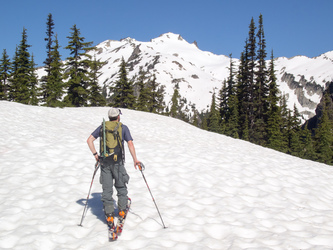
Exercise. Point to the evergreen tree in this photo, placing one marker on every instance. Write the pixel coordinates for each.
(274, 121)
(55, 86)
(285, 124)
(20, 80)
(174, 111)
(243, 96)
(308, 151)
(95, 94)
(49, 45)
(224, 108)
(11, 81)
(260, 89)
(78, 69)
(229, 105)
(144, 99)
(232, 127)
(46, 90)
(157, 96)
(33, 82)
(324, 134)
(5, 70)
(123, 94)
(251, 62)
(213, 121)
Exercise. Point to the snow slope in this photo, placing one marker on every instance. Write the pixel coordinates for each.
(213, 192)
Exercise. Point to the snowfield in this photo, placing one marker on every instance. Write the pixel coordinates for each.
(213, 192)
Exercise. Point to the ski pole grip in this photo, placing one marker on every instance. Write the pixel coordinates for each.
(141, 166)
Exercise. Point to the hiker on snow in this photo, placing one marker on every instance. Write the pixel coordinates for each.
(113, 172)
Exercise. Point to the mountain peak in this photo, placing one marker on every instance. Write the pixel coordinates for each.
(168, 36)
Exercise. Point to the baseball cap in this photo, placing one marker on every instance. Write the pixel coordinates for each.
(114, 112)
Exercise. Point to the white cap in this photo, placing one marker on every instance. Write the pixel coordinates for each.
(114, 112)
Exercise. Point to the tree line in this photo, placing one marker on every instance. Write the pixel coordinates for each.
(73, 82)
(248, 106)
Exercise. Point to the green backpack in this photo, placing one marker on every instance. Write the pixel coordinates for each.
(111, 141)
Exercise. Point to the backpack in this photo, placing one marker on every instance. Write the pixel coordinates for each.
(111, 141)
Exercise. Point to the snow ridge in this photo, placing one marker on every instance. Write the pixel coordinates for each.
(199, 73)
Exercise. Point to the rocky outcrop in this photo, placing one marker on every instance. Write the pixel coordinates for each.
(302, 89)
(312, 123)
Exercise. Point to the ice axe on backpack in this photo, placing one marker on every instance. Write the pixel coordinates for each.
(141, 168)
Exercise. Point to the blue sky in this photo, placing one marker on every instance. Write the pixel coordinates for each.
(294, 27)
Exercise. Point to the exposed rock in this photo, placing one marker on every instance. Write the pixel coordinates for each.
(302, 87)
(313, 122)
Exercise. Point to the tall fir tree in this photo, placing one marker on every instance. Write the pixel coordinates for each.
(308, 151)
(78, 64)
(95, 97)
(223, 106)
(33, 83)
(229, 105)
(285, 124)
(46, 90)
(122, 91)
(213, 121)
(174, 110)
(260, 89)
(143, 101)
(20, 78)
(274, 121)
(324, 134)
(5, 71)
(156, 96)
(55, 86)
(49, 40)
(251, 62)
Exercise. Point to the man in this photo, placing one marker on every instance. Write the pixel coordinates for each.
(113, 173)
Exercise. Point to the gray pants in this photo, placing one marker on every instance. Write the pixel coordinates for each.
(113, 174)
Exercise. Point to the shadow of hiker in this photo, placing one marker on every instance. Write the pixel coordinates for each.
(95, 205)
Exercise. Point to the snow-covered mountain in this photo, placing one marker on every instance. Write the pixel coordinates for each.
(199, 73)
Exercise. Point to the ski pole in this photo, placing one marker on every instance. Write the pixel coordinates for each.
(92, 180)
(141, 168)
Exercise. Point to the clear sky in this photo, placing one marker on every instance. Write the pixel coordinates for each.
(292, 27)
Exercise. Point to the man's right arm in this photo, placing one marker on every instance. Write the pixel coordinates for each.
(91, 146)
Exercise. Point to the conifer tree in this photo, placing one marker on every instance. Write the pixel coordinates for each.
(143, 102)
(243, 96)
(122, 91)
(78, 69)
(49, 40)
(260, 89)
(174, 111)
(33, 82)
(223, 106)
(324, 134)
(274, 121)
(95, 94)
(46, 90)
(213, 121)
(308, 151)
(285, 124)
(156, 96)
(20, 80)
(251, 62)
(55, 86)
(5, 70)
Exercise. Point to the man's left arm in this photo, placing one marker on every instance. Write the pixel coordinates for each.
(132, 150)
